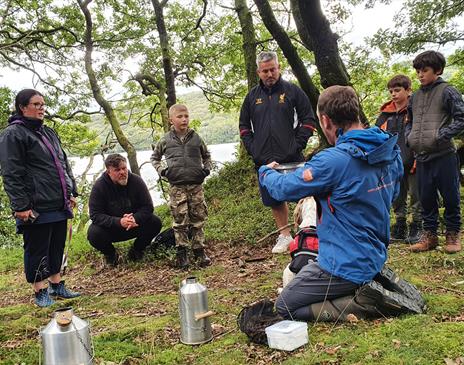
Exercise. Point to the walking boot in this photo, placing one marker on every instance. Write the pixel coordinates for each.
(391, 281)
(182, 261)
(398, 232)
(134, 254)
(388, 303)
(200, 256)
(453, 242)
(415, 231)
(428, 241)
(112, 259)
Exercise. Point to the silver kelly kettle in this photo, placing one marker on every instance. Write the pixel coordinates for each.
(195, 326)
(66, 340)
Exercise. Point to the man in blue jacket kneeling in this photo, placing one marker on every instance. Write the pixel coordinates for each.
(354, 184)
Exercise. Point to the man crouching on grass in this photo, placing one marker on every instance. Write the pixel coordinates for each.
(354, 183)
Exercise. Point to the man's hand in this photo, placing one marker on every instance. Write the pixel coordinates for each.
(24, 216)
(128, 221)
(272, 165)
(72, 202)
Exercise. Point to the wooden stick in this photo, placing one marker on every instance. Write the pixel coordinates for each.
(203, 315)
(451, 290)
(274, 232)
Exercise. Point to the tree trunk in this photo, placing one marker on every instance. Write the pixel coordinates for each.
(315, 32)
(249, 41)
(249, 53)
(324, 42)
(98, 95)
(167, 61)
(288, 49)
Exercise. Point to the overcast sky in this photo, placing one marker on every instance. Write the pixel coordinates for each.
(363, 23)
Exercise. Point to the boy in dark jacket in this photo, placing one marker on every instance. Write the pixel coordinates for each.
(436, 114)
(393, 118)
(188, 163)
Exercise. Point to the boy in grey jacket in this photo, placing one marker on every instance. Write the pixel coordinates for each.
(188, 163)
(436, 115)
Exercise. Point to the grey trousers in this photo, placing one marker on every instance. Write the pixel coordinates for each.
(408, 186)
(311, 285)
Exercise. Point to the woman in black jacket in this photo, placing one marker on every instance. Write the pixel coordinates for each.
(40, 185)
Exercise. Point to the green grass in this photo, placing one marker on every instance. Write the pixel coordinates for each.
(135, 326)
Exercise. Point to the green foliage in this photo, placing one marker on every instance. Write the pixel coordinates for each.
(422, 23)
(8, 238)
(6, 95)
(236, 213)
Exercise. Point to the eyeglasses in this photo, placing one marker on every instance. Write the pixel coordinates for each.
(39, 106)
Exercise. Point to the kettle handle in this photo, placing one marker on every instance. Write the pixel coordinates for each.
(203, 315)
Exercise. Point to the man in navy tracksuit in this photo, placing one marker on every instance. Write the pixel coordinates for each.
(276, 121)
(354, 184)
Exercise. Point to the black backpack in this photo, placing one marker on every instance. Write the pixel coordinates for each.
(164, 240)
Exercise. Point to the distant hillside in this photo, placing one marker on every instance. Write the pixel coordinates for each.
(215, 128)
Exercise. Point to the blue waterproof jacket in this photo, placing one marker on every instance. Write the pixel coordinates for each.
(354, 183)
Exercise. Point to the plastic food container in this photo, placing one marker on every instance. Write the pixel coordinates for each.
(285, 168)
(287, 335)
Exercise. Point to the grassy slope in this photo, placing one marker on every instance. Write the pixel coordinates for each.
(137, 324)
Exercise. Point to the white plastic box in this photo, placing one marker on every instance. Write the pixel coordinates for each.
(287, 335)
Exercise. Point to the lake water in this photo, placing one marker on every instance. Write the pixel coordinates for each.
(220, 153)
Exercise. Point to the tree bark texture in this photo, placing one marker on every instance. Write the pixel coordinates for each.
(324, 43)
(292, 56)
(167, 61)
(249, 53)
(98, 95)
(249, 41)
(289, 50)
(315, 33)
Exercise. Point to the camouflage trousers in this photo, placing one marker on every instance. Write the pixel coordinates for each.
(189, 212)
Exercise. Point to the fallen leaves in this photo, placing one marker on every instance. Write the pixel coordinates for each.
(457, 361)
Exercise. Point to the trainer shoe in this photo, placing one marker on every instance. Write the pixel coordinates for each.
(59, 290)
(282, 244)
(42, 298)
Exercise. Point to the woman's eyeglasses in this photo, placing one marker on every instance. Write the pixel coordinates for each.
(39, 106)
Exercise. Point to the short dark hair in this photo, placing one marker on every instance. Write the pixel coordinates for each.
(432, 59)
(114, 160)
(399, 81)
(340, 104)
(23, 98)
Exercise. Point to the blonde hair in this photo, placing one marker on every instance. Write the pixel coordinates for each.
(177, 107)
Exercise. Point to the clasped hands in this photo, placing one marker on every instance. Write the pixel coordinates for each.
(128, 221)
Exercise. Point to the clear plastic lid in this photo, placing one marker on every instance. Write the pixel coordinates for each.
(287, 327)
